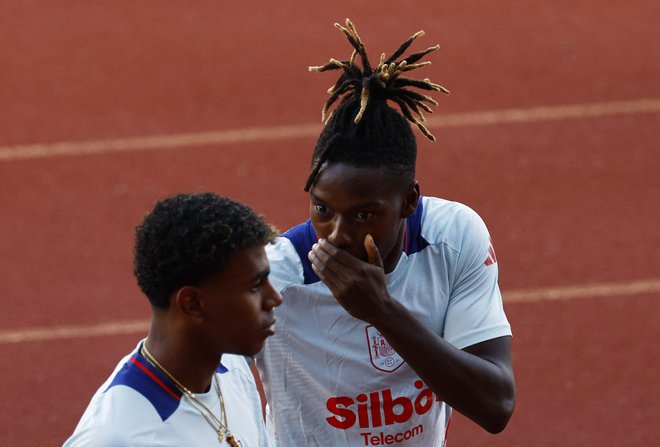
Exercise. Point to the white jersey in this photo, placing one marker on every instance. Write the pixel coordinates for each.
(139, 406)
(333, 380)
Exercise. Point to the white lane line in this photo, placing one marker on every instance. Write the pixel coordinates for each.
(68, 332)
(158, 142)
(275, 133)
(586, 291)
(548, 113)
(626, 289)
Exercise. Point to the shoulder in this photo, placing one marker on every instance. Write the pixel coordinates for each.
(235, 369)
(234, 364)
(288, 256)
(453, 224)
(118, 416)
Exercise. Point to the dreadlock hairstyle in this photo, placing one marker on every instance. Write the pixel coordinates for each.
(363, 130)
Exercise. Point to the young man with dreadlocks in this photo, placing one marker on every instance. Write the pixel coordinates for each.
(392, 314)
(201, 262)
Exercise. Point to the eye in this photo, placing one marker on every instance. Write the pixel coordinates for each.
(255, 287)
(364, 215)
(321, 209)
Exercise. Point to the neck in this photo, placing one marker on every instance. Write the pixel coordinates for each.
(186, 360)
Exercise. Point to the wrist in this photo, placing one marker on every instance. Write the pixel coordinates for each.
(386, 317)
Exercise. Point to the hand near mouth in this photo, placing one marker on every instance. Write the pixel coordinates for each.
(358, 286)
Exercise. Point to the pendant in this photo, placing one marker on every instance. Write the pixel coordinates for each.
(220, 436)
(231, 441)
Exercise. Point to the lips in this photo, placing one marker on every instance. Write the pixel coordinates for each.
(269, 328)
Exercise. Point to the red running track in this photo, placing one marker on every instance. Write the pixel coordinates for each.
(571, 198)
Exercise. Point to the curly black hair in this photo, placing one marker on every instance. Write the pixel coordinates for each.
(187, 238)
(363, 130)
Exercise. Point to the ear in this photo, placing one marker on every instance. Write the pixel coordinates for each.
(189, 303)
(411, 199)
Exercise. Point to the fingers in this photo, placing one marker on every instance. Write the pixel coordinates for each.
(322, 263)
(328, 278)
(373, 254)
(356, 285)
(324, 256)
(333, 256)
(329, 261)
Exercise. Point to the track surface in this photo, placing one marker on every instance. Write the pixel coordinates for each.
(571, 193)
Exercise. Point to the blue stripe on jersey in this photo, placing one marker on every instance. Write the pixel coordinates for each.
(132, 376)
(416, 242)
(303, 236)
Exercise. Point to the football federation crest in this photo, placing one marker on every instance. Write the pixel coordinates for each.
(383, 356)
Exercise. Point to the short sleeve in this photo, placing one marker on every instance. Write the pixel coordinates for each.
(475, 312)
(285, 264)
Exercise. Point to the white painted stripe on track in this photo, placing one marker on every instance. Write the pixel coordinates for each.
(80, 331)
(586, 291)
(624, 289)
(276, 133)
(158, 142)
(547, 113)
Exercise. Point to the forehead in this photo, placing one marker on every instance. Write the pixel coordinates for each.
(244, 266)
(347, 184)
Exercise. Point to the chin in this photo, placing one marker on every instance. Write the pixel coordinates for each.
(253, 350)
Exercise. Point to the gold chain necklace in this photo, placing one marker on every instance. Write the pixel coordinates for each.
(219, 426)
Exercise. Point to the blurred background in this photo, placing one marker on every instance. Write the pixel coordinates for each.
(551, 134)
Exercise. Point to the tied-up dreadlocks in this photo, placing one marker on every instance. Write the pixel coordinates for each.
(384, 80)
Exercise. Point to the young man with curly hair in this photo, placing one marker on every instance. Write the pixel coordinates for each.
(200, 260)
(392, 315)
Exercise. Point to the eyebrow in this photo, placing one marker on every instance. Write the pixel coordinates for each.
(261, 275)
(371, 204)
(315, 198)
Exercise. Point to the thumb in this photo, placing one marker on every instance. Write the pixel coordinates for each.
(373, 255)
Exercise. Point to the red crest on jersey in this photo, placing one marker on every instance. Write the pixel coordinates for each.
(383, 357)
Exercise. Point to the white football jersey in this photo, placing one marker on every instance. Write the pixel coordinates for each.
(139, 406)
(333, 380)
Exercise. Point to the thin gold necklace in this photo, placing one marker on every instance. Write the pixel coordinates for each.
(219, 426)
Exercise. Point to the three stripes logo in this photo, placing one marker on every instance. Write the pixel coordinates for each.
(491, 259)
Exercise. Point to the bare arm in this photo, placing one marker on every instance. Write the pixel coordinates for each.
(477, 381)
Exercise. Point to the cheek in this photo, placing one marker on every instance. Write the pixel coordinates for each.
(386, 238)
(385, 246)
(250, 311)
(322, 229)
(240, 310)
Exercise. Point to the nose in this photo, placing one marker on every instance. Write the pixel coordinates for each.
(273, 297)
(340, 235)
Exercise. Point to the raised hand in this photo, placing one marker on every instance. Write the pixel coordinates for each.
(358, 286)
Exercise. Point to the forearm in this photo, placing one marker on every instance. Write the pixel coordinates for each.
(477, 381)
(479, 387)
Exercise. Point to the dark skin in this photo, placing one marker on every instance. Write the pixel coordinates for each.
(359, 216)
(231, 312)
